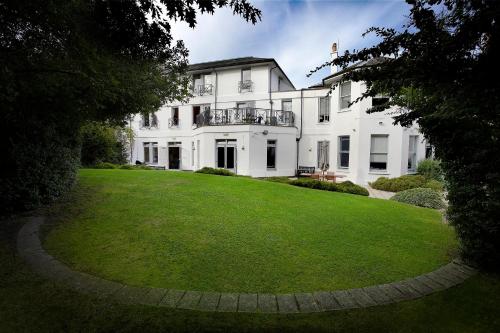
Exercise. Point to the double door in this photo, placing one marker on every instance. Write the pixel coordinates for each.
(226, 155)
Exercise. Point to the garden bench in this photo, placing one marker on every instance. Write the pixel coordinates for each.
(305, 169)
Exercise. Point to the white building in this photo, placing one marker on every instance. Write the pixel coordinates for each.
(248, 117)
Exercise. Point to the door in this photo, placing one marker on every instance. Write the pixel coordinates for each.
(174, 155)
(226, 155)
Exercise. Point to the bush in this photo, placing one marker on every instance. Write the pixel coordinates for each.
(423, 197)
(104, 165)
(430, 169)
(213, 171)
(345, 187)
(284, 180)
(101, 143)
(405, 182)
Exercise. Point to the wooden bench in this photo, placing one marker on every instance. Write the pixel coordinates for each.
(305, 170)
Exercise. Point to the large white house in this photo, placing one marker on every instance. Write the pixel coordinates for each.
(248, 117)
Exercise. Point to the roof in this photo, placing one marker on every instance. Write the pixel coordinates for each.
(369, 62)
(228, 62)
(235, 62)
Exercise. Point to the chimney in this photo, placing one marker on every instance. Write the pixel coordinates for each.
(333, 55)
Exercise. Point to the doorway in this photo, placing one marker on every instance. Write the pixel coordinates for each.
(226, 155)
(174, 155)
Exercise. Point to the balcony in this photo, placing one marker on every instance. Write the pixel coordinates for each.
(245, 116)
(204, 89)
(173, 122)
(245, 86)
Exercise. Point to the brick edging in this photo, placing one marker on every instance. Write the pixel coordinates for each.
(30, 249)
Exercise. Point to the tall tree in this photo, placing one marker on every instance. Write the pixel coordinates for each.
(63, 62)
(442, 71)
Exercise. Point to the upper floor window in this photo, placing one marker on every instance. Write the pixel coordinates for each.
(245, 83)
(174, 117)
(324, 109)
(149, 120)
(379, 100)
(197, 109)
(202, 84)
(345, 95)
(379, 152)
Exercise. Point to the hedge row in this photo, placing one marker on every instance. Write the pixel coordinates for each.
(213, 171)
(406, 182)
(106, 165)
(423, 197)
(344, 187)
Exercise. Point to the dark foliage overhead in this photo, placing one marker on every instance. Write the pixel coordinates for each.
(442, 71)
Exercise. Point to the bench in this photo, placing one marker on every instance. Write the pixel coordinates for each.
(305, 169)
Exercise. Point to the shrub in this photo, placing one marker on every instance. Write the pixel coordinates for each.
(430, 169)
(104, 165)
(213, 171)
(399, 184)
(435, 185)
(345, 187)
(102, 143)
(423, 197)
(284, 180)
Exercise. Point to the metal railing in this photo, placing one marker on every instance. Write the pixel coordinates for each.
(245, 86)
(204, 89)
(173, 122)
(245, 116)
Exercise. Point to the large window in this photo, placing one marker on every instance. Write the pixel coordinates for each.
(197, 109)
(412, 153)
(324, 109)
(323, 155)
(343, 158)
(345, 95)
(271, 154)
(379, 152)
(246, 74)
(150, 152)
(174, 120)
(149, 120)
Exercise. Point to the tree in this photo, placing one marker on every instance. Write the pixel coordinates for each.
(67, 62)
(441, 71)
(102, 143)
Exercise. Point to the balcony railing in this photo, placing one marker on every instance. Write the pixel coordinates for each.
(245, 86)
(245, 116)
(204, 89)
(173, 122)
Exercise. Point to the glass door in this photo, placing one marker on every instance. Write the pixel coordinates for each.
(226, 154)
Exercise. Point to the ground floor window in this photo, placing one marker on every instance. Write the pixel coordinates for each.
(343, 158)
(271, 154)
(412, 153)
(226, 154)
(323, 155)
(150, 152)
(379, 152)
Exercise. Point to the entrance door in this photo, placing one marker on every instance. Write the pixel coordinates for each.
(226, 154)
(174, 155)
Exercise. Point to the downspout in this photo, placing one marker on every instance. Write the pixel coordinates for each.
(300, 129)
(216, 87)
(270, 98)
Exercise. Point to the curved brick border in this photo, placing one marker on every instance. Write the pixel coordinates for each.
(30, 249)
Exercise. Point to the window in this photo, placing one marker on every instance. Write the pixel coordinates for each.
(345, 95)
(245, 85)
(324, 109)
(150, 152)
(174, 120)
(286, 116)
(286, 105)
(412, 153)
(343, 158)
(246, 74)
(271, 154)
(323, 155)
(196, 112)
(428, 150)
(379, 100)
(197, 82)
(378, 152)
(149, 120)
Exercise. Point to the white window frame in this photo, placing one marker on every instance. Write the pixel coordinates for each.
(324, 115)
(272, 144)
(319, 147)
(153, 152)
(151, 119)
(412, 153)
(386, 136)
(340, 152)
(342, 95)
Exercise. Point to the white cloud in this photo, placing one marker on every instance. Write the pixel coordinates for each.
(298, 35)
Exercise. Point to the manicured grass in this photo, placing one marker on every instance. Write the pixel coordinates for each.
(29, 303)
(211, 233)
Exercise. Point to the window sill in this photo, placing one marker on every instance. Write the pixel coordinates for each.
(411, 172)
(323, 123)
(344, 170)
(376, 172)
(271, 169)
(343, 110)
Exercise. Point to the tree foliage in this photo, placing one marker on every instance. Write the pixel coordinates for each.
(64, 62)
(441, 71)
(102, 143)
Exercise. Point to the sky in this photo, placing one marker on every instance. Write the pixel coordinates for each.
(298, 34)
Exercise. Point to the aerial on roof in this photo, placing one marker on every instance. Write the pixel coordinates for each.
(228, 62)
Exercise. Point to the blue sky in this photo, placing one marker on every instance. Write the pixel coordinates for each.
(298, 34)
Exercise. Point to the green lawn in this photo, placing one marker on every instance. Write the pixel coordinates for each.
(212, 233)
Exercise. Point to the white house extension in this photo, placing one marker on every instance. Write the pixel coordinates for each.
(248, 117)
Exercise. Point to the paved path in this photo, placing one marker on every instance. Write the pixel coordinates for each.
(30, 249)
(373, 193)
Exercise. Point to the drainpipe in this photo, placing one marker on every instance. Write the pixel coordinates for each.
(300, 129)
(216, 87)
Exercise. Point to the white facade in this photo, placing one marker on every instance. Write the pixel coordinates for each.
(243, 128)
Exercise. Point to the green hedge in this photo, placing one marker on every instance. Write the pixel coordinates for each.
(405, 182)
(430, 169)
(213, 171)
(344, 187)
(106, 165)
(423, 197)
